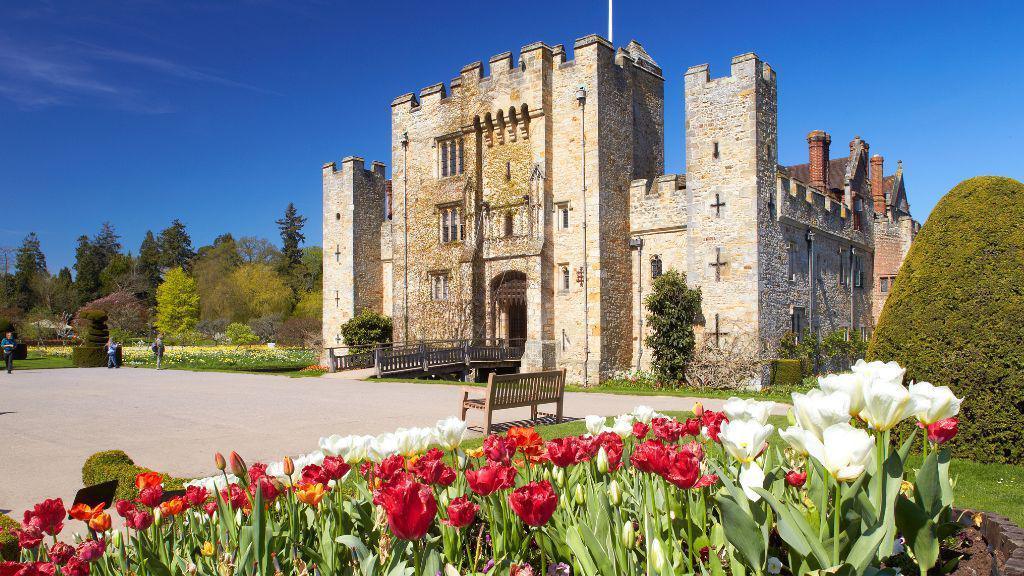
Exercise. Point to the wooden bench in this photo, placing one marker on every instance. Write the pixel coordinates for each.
(506, 391)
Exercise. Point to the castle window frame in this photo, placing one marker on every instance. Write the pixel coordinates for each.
(656, 267)
(715, 152)
(784, 184)
(801, 190)
(450, 156)
(439, 286)
(843, 279)
(885, 283)
(792, 255)
(566, 277)
(562, 216)
(509, 224)
(797, 322)
(449, 221)
(858, 272)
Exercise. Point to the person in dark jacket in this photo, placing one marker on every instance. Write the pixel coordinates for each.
(9, 345)
(158, 349)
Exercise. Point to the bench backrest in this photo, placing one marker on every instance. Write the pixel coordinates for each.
(515, 390)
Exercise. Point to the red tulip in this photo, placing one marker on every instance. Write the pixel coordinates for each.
(499, 449)
(61, 552)
(238, 497)
(650, 456)
(335, 467)
(796, 479)
(47, 516)
(667, 430)
(257, 471)
(91, 549)
(491, 478)
(640, 430)
(461, 512)
(564, 452)
(534, 503)
(313, 474)
(695, 448)
(238, 467)
(706, 481)
(713, 422)
(75, 567)
(138, 519)
(29, 537)
(434, 472)
(943, 430)
(692, 427)
(151, 496)
(410, 507)
(682, 469)
(196, 495)
(389, 468)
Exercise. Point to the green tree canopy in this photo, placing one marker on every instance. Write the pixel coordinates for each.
(291, 236)
(149, 264)
(673, 308)
(311, 305)
(257, 291)
(88, 267)
(367, 328)
(954, 314)
(31, 264)
(177, 304)
(212, 270)
(175, 246)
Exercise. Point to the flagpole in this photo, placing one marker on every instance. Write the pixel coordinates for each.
(610, 22)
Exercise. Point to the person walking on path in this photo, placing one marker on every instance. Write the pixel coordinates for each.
(9, 345)
(112, 354)
(158, 349)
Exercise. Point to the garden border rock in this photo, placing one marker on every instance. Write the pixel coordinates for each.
(1001, 534)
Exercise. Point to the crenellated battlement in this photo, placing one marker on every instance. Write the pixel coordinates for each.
(357, 165)
(533, 60)
(797, 197)
(746, 65)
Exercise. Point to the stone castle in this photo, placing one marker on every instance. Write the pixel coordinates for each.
(530, 204)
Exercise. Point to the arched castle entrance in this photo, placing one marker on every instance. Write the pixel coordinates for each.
(508, 308)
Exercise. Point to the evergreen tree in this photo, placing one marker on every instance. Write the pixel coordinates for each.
(673, 308)
(30, 263)
(291, 236)
(149, 265)
(106, 244)
(87, 271)
(175, 246)
(64, 297)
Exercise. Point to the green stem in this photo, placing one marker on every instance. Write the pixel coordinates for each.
(924, 440)
(838, 512)
(823, 509)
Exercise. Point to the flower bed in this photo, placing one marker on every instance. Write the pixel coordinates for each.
(639, 494)
(254, 358)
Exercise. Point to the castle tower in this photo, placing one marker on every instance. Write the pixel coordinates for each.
(731, 164)
(354, 210)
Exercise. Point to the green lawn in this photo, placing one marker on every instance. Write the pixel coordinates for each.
(36, 361)
(39, 362)
(991, 487)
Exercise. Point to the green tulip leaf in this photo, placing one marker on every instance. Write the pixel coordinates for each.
(742, 532)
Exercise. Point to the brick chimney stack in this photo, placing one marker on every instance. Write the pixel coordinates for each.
(878, 183)
(817, 147)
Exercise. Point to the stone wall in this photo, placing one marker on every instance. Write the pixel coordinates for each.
(892, 242)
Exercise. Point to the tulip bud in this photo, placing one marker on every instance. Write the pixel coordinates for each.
(602, 461)
(157, 516)
(578, 495)
(560, 477)
(657, 554)
(563, 502)
(698, 409)
(218, 460)
(628, 535)
(238, 467)
(791, 417)
(614, 493)
(115, 539)
(289, 467)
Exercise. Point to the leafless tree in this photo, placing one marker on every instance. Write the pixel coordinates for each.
(734, 363)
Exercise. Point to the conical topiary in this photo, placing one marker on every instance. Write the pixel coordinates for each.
(93, 324)
(955, 315)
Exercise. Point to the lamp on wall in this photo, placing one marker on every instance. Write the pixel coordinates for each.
(581, 95)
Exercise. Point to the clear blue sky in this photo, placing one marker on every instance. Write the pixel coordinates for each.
(220, 113)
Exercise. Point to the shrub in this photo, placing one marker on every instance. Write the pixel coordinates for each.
(298, 332)
(786, 373)
(954, 314)
(265, 327)
(8, 541)
(240, 334)
(367, 328)
(673, 308)
(116, 465)
(92, 325)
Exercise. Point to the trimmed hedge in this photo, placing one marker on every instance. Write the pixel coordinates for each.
(116, 465)
(8, 541)
(785, 372)
(91, 354)
(955, 315)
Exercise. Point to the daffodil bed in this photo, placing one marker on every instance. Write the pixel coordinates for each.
(227, 358)
(645, 493)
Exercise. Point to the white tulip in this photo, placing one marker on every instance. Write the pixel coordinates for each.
(774, 565)
(623, 425)
(644, 413)
(852, 385)
(887, 402)
(878, 372)
(742, 409)
(450, 432)
(751, 476)
(352, 448)
(744, 439)
(845, 451)
(595, 424)
(935, 402)
(799, 438)
(817, 410)
(382, 446)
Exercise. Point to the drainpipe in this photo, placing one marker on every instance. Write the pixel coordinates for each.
(853, 252)
(405, 208)
(811, 293)
(581, 97)
(638, 245)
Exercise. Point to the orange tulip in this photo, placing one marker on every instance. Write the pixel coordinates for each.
(310, 494)
(84, 512)
(148, 480)
(172, 507)
(100, 522)
(528, 442)
(218, 460)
